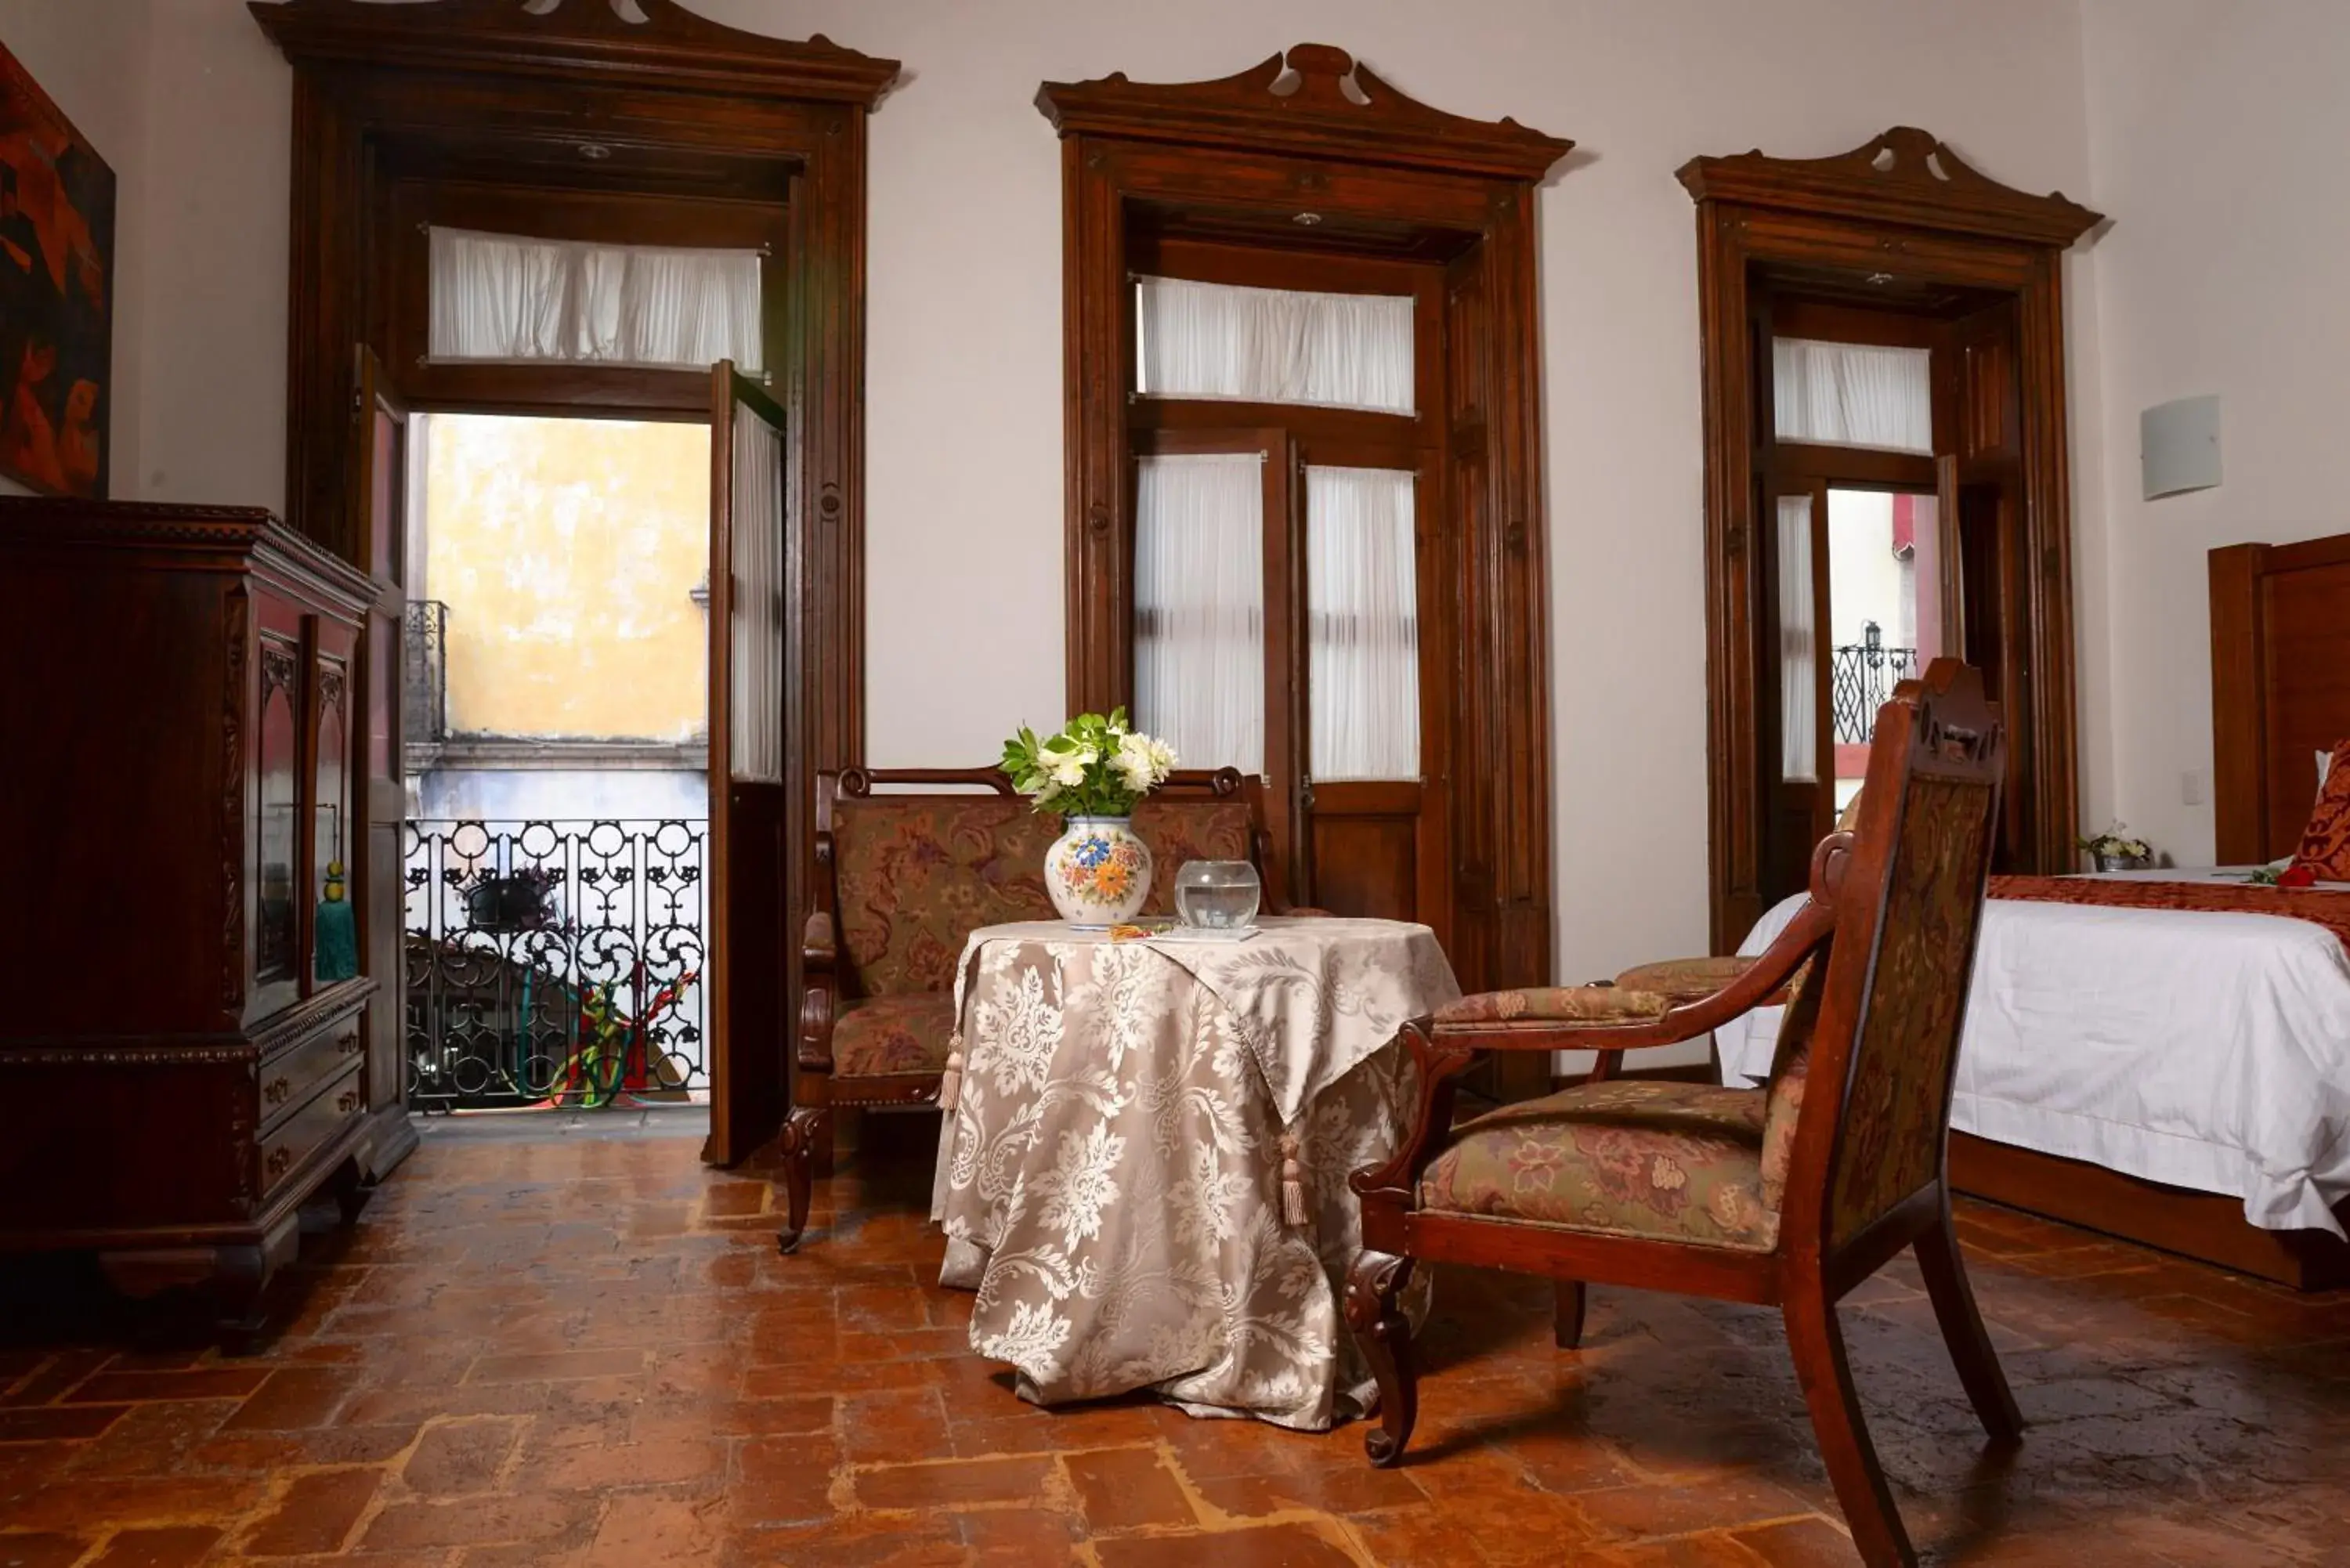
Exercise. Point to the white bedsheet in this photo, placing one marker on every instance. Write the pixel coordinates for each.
(2207, 1051)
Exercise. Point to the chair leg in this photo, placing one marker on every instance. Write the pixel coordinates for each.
(808, 1135)
(1380, 1327)
(1817, 1344)
(1566, 1319)
(1962, 1330)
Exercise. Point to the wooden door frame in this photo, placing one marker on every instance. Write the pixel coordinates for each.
(1904, 206)
(1311, 131)
(675, 100)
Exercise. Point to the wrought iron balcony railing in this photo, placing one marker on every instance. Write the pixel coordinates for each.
(555, 963)
(1861, 678)
(424, 677)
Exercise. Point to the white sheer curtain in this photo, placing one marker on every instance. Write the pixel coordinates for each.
(1199, 606)
(754, 719)
(505, 297)
(1273, 345)
(1362, 605)
(1799, 669)
(1852, 394)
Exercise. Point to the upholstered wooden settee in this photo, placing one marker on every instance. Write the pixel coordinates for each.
(908, 863)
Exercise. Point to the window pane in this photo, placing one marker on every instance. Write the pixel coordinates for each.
(1852, 394)
(756, 520)
(1799, 669)
(1198, 608)
(509, 298)
(1272, 345)
(1362, 624)
(564, 555)
(1885, 599)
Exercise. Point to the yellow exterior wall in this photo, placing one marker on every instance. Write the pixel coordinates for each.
(567, 551)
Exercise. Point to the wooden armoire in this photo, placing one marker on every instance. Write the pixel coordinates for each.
(183, 1050)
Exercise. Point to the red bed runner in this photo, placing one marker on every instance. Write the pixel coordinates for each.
(2328, 910)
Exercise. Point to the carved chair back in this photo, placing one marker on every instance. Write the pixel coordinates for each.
(918, 858)
(1871, 1043)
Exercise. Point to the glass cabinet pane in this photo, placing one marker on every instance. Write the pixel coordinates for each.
(1199, 606)
(281, 748)
(333, 940)
(1362, 600)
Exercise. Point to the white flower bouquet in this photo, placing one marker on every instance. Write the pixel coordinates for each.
(1097, 766)
(2115, 850)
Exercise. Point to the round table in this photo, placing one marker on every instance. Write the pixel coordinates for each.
(1111, 1171)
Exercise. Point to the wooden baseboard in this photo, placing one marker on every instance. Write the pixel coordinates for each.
(2205, 1226)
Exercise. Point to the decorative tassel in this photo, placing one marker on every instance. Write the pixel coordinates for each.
(1293, 1183)
(950, 1081)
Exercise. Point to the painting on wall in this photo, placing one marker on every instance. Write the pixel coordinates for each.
(57, 277)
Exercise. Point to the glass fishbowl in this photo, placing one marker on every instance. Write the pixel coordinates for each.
(1217, 894)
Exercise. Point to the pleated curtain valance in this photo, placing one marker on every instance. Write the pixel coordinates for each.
(1225, 342)
(1852, 394)
(508, 298)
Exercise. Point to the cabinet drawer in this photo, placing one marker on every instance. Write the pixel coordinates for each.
(289, 1079)
(283, 1147)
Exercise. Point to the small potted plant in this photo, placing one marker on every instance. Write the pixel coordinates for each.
(2115, 850)
(1090, 775)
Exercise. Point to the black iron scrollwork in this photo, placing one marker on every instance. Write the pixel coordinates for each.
(554, 961)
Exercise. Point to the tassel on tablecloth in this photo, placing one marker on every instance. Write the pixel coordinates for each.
(950, 1081)
(1293, 1182)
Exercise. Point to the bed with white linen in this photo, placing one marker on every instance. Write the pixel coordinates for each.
(2203, 1051)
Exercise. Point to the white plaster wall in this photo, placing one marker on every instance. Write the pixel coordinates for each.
(964, 376)
(2216, 131)
(964, 369)
(92, 60)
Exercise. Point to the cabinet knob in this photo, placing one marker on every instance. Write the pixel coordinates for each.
(279, 1159)
(350, 1043)
(347, 1101)
(276, 1092)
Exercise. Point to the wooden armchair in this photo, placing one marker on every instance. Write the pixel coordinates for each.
(1771, 1196)
(908, 863)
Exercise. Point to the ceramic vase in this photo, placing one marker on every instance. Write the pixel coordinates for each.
(1098, 871)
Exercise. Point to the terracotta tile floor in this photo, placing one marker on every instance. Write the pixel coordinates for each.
(552, 1345)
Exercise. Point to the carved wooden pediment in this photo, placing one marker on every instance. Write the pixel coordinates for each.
(652, 43)
(1311, 99)
(1905, 176)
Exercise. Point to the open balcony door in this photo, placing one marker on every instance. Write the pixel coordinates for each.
(377, 882)
(746, 977)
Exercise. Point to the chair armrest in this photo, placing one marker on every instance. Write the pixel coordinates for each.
(1580, 1018)
(1565, 1018)
(819, 947)
(819, 990)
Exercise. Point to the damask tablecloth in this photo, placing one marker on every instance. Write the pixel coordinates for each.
(1110, 1173)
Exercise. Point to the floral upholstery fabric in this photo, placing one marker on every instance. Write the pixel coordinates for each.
(1685, 980)
(1678, 1162)
(1897, 1107)
(893, 1035)
(917, 873)
(1178, 830)
(2326, 841)
(1790, 1071)
(1548, 1006)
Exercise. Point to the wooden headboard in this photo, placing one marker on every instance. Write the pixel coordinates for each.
(2280, 687)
